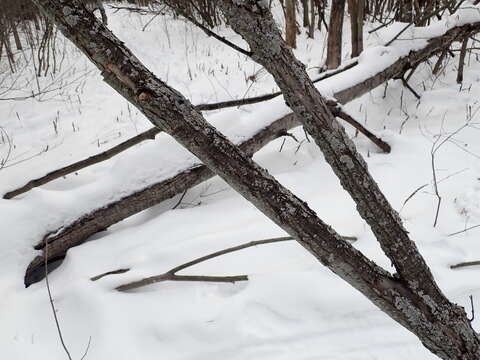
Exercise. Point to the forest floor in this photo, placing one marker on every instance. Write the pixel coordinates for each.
(291, 307)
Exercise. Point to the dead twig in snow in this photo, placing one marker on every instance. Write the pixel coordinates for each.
(465, 264)
(60, 335)
(4, 136)
(425, 185)
(437, 144)
(180, 200)
(171, 275)
(54, 310)
(464, 230)
(473, 309)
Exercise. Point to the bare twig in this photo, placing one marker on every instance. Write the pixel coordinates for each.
(473, 309)
(407, 85)
(53, 306)
(464, 230)
(86, 350)
(10, 146)
(180, 200)
(425, 185)
(398, 34)
(338, 111)
(465, 264)
(261, 98)
(108, 154)
(113, 272)
(171, 275)
(461, 60)
(437, 144)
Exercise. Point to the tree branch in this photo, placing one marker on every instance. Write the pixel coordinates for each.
(171, 275)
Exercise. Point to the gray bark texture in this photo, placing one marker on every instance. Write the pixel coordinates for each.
(412, 297)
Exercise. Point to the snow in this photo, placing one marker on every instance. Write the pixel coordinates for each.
(291, 307)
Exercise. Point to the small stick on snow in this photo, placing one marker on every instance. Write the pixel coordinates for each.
(171, 275)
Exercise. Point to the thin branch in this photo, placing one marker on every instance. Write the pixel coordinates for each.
(108, 154)
(437, 144)
(473, 309)
(265, 97)
(339, 112)
(171, 275)
(398, 34)
(180, 200)
(465, 264)
(461, 60)
(425, 185)
(464, 230)
(113, 272)
(86, 350)
(53, 306)
(4, 161)
(407, 85)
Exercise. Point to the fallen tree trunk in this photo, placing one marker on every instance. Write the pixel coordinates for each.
(100, 219)
(151, 133)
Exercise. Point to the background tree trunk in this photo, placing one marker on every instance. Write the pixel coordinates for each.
(334, 42)
(445, 335)
(306, 14)
(356, 10)
(290, 23)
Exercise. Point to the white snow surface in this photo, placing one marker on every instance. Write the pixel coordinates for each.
(291, 307)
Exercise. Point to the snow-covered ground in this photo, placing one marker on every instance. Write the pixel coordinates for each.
(291, 307)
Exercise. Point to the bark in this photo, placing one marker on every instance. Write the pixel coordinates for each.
(311, 25)
(335, 29)
(290, 23)
(441, 326)
(356, 8)
(306, 14)
(106, 215)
